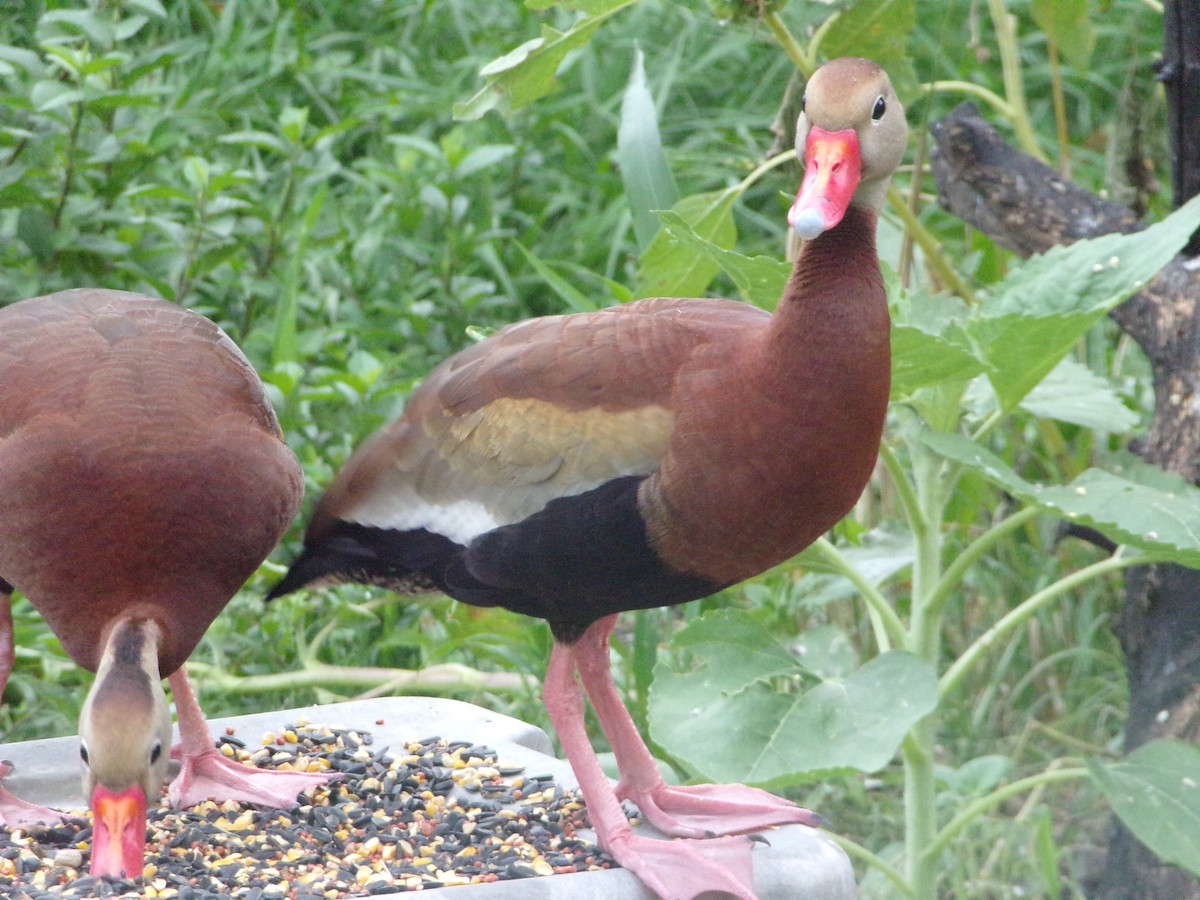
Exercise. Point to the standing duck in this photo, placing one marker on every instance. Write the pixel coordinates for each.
(573, 467)
(143, 479)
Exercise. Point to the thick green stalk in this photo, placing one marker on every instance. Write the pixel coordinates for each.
(920, 794)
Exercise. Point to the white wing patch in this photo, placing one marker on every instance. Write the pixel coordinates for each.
(403, 509)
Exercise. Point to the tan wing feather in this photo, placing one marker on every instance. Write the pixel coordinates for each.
(546, 408)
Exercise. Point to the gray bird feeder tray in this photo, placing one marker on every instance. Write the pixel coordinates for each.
(798, 863)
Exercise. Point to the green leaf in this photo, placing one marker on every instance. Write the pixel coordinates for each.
(976, 777)
(482, 157)
(1164, 524)
(1042, 309)
(759, 279)
(1074, 393)
(649, 185)
(671, 267)
(528, 72)
(36, 230)
(1156, 792)
(876, 29)
(741, 684)
(575, 299)
(921, 359)
(261, 139)
(1066, 24)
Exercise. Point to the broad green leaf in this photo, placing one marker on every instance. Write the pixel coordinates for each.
(1074, 393)
(528, 72)
(1156, 792)
(1041, 310)
(649, 185)
(672, 268)
(876, 29)
(1164, 524)
(1066, 23)
(921, 359)
(741, 684)
(759, 279)
(826, 651)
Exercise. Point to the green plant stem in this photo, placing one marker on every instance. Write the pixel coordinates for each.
(1014, 86)
(988, 425)
(443, 679)
(762, 169)
(976, 808)
(919, 809)
(69, 173)
(904, 488)
(861, 853)
(972, 553)
(801, 59)
(1020, 614)
(991, 98)
(929, 244)
(920, 789)
(888, 628)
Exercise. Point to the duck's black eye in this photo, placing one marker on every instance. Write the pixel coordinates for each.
(803, 101)
(879, 110)
(155, 752)
(83, 754)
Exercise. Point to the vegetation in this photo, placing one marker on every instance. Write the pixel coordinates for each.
(335, 185)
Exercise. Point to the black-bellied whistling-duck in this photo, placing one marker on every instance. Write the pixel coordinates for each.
(576, 466)
(143, 479)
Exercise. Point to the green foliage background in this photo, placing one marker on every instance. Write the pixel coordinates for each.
(295, 171)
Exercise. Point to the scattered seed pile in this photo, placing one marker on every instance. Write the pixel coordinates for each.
(424, 815)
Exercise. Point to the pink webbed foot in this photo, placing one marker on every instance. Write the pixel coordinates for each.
(704, 810)
(682, 869)
(17, 813)
(211, 776)
(207, 775)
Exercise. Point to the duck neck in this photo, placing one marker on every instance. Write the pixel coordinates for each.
(792, 426)
(833, 314)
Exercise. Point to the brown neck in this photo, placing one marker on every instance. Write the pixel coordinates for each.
(834, 299)
(790, 436)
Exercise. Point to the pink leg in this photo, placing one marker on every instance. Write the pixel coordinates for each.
(673, 869)
(15, 812)
(208, 775)
(695, 811)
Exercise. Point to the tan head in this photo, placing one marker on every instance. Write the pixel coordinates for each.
(124, 746)
(851, 135)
